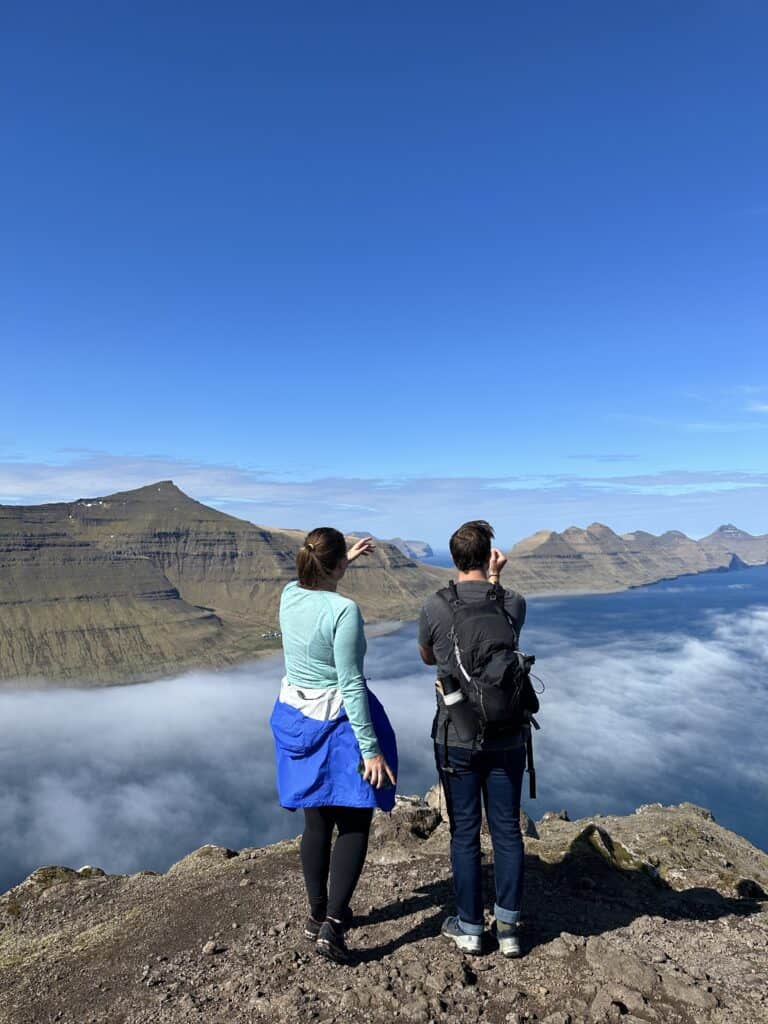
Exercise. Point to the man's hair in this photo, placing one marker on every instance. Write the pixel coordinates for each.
(471, 545)
(319, 555)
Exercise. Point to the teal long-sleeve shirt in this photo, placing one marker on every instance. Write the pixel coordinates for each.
(324, 645)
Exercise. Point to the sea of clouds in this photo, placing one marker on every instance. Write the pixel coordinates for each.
(135, 777)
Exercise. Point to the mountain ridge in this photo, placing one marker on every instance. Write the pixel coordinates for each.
(597, 559)
(150, 582)
(415, 549)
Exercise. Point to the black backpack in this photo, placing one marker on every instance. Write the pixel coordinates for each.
(493, 674)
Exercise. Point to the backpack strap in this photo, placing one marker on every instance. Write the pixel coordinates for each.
(447, 767)
(498, 594)
(451, 596)
(529, 763)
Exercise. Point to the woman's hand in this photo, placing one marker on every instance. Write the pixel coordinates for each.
(376, 770)
(363, 547)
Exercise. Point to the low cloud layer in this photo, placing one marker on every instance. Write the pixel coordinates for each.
(136, 777)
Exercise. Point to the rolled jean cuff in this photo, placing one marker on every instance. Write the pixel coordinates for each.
(506, 916)
(470, 929)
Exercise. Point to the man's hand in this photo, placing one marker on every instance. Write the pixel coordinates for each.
(376, 770)
(497, 562)
(363, 547)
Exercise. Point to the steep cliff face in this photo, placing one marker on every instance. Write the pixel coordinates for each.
(71, 610)
(409, 548)
(413, 548)
(729, 540)
(599, 559)
(149, 582)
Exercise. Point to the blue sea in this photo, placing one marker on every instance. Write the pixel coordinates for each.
(658, 694)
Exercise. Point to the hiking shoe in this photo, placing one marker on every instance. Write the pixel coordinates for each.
(472, 944)
(508, 936)
(312, 927)
(330, 944)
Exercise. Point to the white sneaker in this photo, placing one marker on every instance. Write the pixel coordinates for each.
(472, 944)
(508, 936)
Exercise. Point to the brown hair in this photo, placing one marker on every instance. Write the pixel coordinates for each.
(318, 556)
(471, 545)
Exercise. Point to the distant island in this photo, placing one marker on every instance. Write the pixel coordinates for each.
(149, 582)
(410, 548)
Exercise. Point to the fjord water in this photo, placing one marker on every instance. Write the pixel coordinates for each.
(655, 694)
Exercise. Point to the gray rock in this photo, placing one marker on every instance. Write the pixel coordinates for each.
(557, 948)
(682, 990)
(749, 889)
(609, 962)
(51, 874)
(396, 837)
(627, 1000)
(554, 816)
(417, 1008)
(435, 798)
(528, 826)
(702, 812)
(88, 871)
(349, 1000)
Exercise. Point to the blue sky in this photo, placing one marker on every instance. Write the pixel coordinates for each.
(389, 267)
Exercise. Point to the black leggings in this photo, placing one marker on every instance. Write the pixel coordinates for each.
(345, 863)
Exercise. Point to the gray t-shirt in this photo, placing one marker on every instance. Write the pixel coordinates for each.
(435, 624)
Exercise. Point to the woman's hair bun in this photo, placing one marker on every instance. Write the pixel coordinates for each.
(319, 555)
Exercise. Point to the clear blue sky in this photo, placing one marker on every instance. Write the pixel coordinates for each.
(306, 257)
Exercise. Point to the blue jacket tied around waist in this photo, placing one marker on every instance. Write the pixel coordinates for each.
(318, 759)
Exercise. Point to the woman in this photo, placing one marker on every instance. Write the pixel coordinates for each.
(336, 751)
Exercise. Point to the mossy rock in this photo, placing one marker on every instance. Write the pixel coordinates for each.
(593, 839)
(52, 874)
(205, 854)
(90, 872)
(701, 812)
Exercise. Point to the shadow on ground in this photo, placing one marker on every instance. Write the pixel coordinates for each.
(583, 894)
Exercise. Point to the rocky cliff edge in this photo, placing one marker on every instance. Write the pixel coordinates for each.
(659, 916)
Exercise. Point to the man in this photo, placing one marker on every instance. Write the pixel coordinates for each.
(486, 767)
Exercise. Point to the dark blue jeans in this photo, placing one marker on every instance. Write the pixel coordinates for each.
(496, 778)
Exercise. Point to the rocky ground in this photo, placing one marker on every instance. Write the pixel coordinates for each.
(658, 916)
